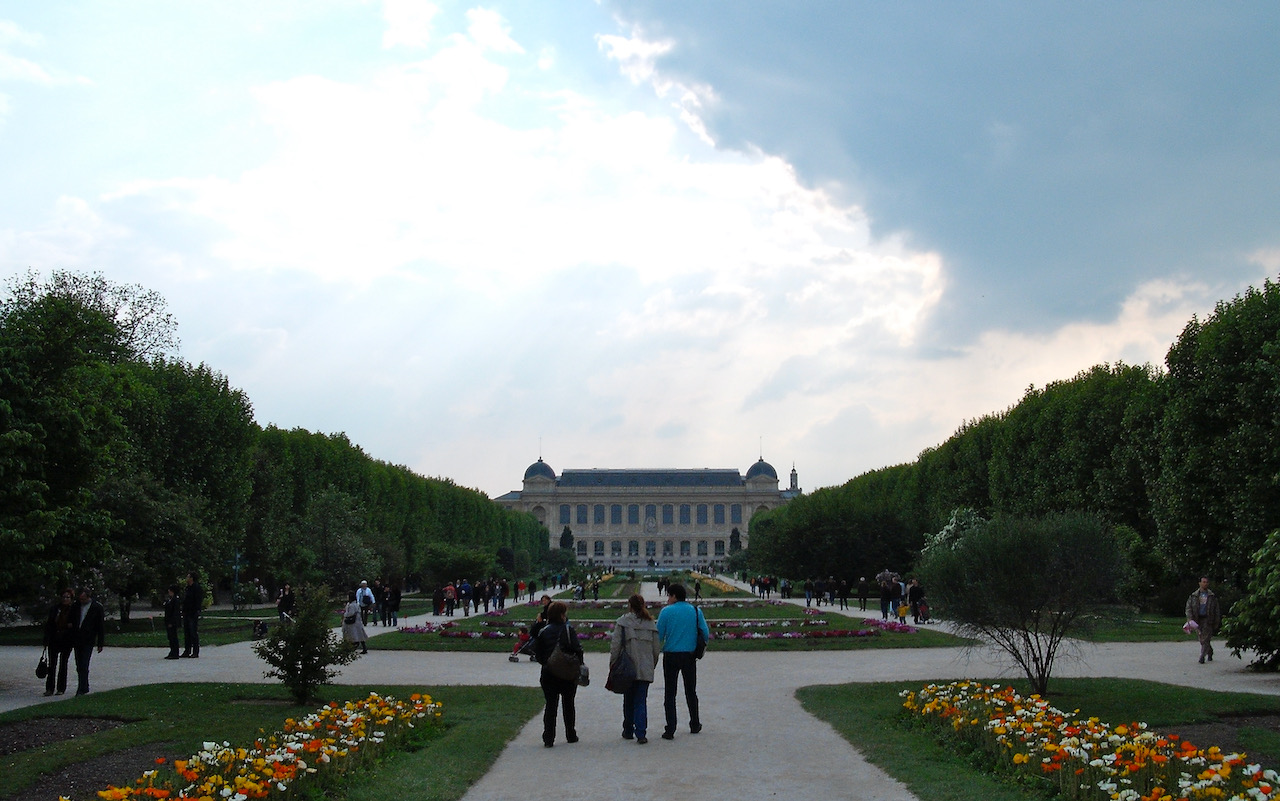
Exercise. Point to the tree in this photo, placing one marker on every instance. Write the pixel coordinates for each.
(566, 538)
(1216, 496)
(143, 328)
(735, 541)
(1254, 624)
(1023, 584)
(303, 653)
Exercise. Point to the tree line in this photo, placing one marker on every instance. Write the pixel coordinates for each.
(124, 467)
(1181, 462)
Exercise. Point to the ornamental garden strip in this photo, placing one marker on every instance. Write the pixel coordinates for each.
(320, 749)
(1084, 758)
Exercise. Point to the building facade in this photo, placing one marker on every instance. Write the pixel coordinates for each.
(628, 519)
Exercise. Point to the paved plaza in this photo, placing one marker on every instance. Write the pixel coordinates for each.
(757, 741)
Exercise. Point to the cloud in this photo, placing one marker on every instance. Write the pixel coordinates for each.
(463, 249)
(408, 23)
(15, 69)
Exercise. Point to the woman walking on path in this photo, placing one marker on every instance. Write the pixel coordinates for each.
(352, 624)
(638, 633)
(557, 691)
(59, 631)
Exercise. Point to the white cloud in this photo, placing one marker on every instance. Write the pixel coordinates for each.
(447, 264)
(408, 23)
(489, 30)
(637, 58)
(15, 69)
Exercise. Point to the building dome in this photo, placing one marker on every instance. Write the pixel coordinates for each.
(541, 469)
(760, 468)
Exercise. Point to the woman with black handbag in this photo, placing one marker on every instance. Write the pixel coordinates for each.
(635, 640)
(557, 649)
(59, 636)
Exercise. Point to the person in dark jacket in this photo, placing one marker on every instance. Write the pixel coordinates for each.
(915, 594)
(172, 619)
(59, 636)
(192, 601)
(557, 691)
(1202, 607)
(286, 604)
(90, 631)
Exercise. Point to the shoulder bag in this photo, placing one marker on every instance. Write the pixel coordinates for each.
(701, 649)
(622, 673)
(42, 667)
(562, 663)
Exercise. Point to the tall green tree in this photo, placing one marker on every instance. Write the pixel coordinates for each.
(1217, 495)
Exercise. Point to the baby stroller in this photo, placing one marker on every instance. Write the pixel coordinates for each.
(923, 608)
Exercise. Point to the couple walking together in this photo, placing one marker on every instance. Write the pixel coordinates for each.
(675, 635)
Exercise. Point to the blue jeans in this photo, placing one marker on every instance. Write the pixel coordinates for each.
(635, 709)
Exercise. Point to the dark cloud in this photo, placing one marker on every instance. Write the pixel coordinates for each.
(1056, 156)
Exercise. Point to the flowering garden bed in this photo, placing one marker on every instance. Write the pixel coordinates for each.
(1084, 758)
(732, 624)
(315, 750)
(936, 761)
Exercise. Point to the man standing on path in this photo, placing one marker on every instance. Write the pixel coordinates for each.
(1202, 607)
(678, 627)
(192, 600)
(89, 632)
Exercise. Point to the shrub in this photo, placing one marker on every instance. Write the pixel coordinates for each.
(303, 652)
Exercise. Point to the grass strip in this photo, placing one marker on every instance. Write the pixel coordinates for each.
(871, 718)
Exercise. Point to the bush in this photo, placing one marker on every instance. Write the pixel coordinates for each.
(302, 653)
(1024, 584)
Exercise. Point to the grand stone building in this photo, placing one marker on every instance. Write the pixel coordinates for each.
(636, 518)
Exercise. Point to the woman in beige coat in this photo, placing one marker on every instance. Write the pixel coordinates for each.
(637, 629)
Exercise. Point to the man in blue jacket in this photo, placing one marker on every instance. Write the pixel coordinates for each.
(678, 627)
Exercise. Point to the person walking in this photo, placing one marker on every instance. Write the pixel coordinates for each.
(192, 601)
(679, 625)
(394, 596)
(90, 632)
(556, 691)
(286, 603)
(353, 630)
(915, 594)
(364, 597)
(1202, 609)
(59, 637)
(172, 619)
(637, 632)
(864, 590)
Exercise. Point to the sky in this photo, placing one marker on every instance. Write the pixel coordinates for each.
(647, 234)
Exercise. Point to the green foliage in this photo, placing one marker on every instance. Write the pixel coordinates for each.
(1217, 497)
(1024, 584)
(566, 538)
(303, 653)
(1254, 623)
(452, 562)
(847, 531)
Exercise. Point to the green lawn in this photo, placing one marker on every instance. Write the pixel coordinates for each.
(177, 718)
(871, 718)
(1125, 626)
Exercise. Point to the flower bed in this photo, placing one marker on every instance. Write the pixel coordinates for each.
(1086, 758)
(321, 747)
(779, 629)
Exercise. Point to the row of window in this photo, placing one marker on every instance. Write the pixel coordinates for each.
(650, 548)
(705, 512)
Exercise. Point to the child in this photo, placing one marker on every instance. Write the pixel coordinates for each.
(523, 642)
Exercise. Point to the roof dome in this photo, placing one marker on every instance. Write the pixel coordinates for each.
(541, 469)
(760, 468)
